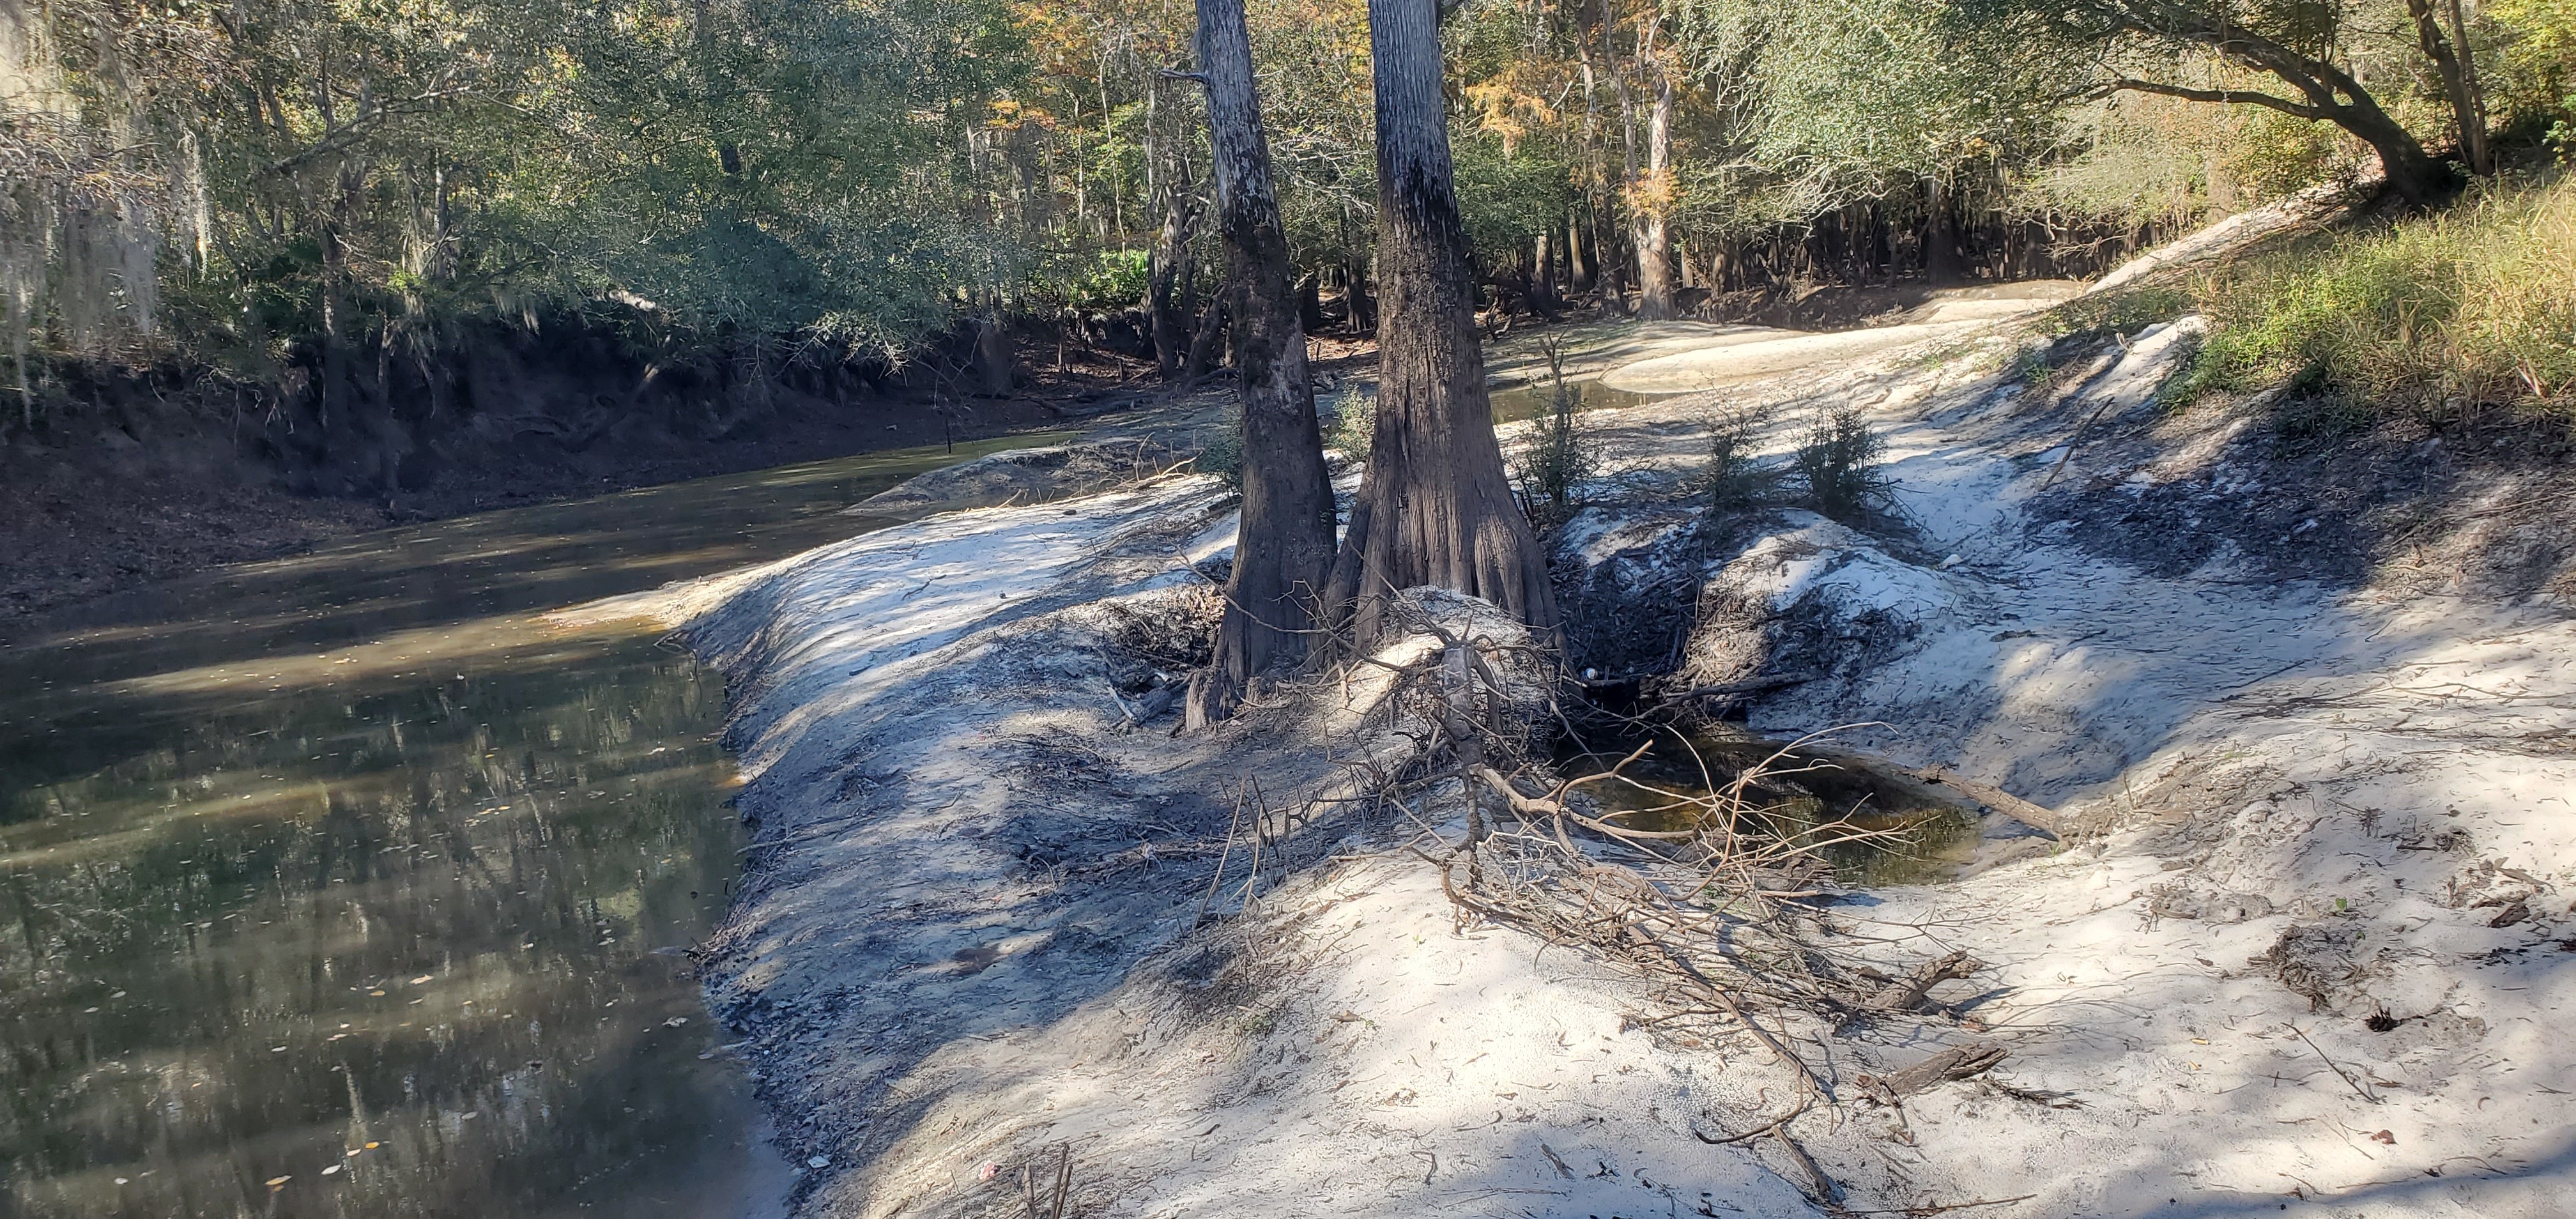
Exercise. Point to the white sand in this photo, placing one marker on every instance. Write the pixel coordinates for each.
(2308, 806)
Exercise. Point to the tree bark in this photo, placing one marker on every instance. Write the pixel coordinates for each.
(1434, 505)
(1355, 295)
(1940, 235)
(1577, 273)
(995, 365)
(1544, 300)
(1284, 546)
(1204, 338)
(2452, 65)
(1654, 203)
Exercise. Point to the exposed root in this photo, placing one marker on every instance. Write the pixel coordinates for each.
(1717, 915)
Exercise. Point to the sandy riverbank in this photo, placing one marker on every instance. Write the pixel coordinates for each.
(2298, 951)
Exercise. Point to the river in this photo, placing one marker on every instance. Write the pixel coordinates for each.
(347, 885)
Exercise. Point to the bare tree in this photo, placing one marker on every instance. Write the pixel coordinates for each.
(1434, 506)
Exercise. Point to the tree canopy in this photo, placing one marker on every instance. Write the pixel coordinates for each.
(249, 183)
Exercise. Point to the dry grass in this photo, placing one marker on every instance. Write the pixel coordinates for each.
(2472, 307)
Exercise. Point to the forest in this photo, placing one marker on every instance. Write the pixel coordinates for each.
(1287, 607)
(313, 206)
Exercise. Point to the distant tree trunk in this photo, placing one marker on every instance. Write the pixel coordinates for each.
(2481, 154)
(2450, 55)
(336, 362)
(994, 363)
(1165, 313)
(1355, 295)
(1654, 197)
(1284, 547)
(1544, 300)
(1162, 285)
(1940, 234)
(1310, 303)
(1204, 339)
(1577, 273)
(1434, 505)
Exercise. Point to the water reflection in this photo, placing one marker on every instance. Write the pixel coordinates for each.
(1538, 398)
(1873, 825)
(343, 886)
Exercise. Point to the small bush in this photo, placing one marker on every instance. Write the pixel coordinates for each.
(1561, 454)
(1354, 424)
(1221, 453)
(1733, 481)
(2473, 307)
(1840, 463)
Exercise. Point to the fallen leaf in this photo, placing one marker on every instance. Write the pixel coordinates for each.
(2384, 1137)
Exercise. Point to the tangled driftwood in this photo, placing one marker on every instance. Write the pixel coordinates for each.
(1719, 915)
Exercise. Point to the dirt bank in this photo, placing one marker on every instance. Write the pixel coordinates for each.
(150, 475)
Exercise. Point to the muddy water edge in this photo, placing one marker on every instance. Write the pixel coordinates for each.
(1869, 821)
(346, 885)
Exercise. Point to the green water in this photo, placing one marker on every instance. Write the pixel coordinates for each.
(1873, 825)
(1533, 400)
(346, 885)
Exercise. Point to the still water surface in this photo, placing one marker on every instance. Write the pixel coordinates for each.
(345, 885)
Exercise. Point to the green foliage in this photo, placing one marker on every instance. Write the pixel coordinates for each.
(697, 172)
(1734, 479)
(1840, 462)
(1508, 199)
(1560, 455)
(2120, 311)
(2474, 306)
(1100, 279)
(1221, 451)
(1353, 426)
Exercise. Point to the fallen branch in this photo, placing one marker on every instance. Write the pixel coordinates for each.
(1907, 994)
(1957, 1062)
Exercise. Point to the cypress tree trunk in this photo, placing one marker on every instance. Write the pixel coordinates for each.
(1434, 506)
(1284, 547)
(1544, 300)
(1654, 234)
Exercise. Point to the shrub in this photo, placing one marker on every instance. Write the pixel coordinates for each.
(1733, 481)
(1354, 424)
(1561, 454)
(1221, 453)
(2474, 306)
(1840, 463)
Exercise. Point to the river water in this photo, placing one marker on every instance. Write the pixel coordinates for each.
(346, 885)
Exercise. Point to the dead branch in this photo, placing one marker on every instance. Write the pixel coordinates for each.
(1957, 1062)
(1907, 994)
